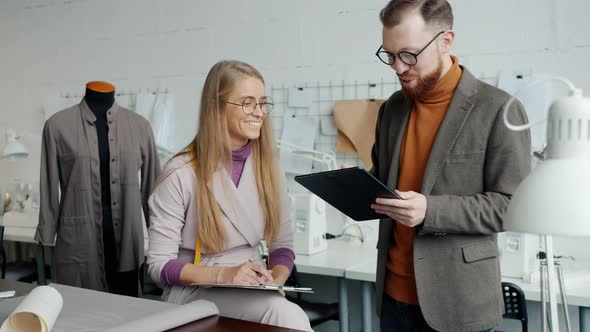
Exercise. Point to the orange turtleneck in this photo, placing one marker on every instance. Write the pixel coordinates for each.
(425, 119)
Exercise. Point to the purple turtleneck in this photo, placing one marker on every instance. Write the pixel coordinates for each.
(238, 158)
(170, 274)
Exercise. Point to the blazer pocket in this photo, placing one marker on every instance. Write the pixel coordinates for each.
(480, 250)
(465, 157)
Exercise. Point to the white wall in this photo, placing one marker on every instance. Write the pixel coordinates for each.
(51, 47)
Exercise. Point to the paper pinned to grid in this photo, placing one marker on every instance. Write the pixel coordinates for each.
(356, 121)
(300, 131)
(536, 100)
(299, 98)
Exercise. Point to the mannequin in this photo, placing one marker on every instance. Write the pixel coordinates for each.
(100, 97)
(90, 193)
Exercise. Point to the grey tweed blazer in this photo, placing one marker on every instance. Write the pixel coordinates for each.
(475, 165)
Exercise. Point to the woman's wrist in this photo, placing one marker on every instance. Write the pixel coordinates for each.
(219, 279)
(280, 273)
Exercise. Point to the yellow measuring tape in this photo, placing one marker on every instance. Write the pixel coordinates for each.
(198, 245)
(198, 252)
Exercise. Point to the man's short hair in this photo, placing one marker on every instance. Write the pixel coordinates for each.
(437, 13)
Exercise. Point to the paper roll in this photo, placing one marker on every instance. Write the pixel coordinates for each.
(37, 312)
(169, 319)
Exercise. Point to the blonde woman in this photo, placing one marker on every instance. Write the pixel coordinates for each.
(217, 200)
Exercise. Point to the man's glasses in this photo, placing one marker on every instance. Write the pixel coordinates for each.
(249, 105)
(409, 58)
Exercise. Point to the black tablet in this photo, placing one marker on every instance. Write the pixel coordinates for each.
(349, 190)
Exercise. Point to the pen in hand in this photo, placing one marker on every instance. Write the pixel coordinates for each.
(261, 273)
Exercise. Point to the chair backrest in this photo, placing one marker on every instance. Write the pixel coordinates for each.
(515, 303)
(293, 281)
(317, 313)
(2, 253)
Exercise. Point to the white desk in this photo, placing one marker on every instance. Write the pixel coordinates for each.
(365, 273)
(334, 262)
(21, 227)
(577, 290)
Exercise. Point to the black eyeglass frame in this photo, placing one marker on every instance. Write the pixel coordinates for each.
(259, 104)
(413, 55)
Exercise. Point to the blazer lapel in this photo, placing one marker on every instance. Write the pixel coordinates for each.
(250, 212)
(450, 128)
(233, 203)
(397, 129)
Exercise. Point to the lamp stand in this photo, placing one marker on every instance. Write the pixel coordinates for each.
(549, 268)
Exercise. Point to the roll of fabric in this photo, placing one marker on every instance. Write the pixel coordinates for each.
(65, 308)
(37, 312)
(171, 318)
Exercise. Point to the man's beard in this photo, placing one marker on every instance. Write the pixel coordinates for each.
(423, 84)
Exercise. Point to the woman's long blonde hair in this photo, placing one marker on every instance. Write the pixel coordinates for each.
(211, 149)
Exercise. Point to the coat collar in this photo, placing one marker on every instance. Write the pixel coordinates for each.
(89, 116)
(240, 204)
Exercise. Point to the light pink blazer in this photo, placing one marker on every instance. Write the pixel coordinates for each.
(173, 216)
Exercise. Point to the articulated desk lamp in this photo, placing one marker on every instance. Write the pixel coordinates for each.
(14, 149)
(554, 199)
(326, 158)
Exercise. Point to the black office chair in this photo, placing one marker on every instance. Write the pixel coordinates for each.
(21, 271)
(515, 304)
(317, 313)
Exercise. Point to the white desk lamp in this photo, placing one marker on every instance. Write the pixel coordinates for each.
(14, 149)
(554, 199)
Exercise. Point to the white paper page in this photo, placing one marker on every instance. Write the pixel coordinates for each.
(536, 101)
(299, 98)
(144, 105)
(162, 117)
(300, 131)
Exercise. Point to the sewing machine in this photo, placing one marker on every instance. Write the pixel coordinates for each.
(309, 216)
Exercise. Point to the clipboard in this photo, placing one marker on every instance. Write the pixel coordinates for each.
(261, 287)
(349, 190)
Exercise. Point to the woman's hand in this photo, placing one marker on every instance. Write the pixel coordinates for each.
(245, 274)
(280, 274)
